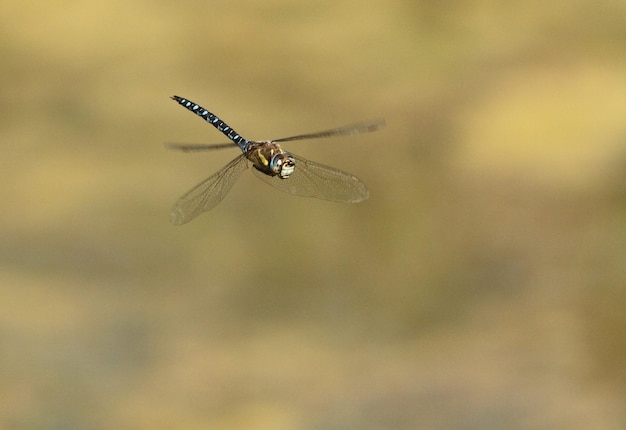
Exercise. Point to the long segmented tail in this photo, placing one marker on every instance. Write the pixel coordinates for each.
(213, 120)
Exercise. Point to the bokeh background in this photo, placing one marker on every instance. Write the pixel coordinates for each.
(482, 285)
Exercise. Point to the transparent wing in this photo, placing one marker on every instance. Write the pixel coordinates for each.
(311, 179)
(208, 193)
(196, 147)
(359, 127)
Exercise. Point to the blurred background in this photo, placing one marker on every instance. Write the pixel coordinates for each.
(482, 285)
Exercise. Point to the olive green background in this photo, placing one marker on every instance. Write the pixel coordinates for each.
(482, 285)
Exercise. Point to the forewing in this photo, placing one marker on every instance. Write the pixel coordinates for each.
(208, 193)
(311, 179)
(356, 128)
(197, 147)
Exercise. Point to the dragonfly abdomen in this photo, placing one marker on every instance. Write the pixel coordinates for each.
(212, 119)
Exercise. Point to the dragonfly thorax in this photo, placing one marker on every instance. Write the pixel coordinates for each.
(269, 158)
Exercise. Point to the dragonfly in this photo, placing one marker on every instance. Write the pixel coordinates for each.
(283, 170)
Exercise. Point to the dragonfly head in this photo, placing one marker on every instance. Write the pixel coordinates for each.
(282, 164)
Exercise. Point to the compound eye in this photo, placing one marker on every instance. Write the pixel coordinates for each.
(276, 163)
(282, 165)
(287, 167)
